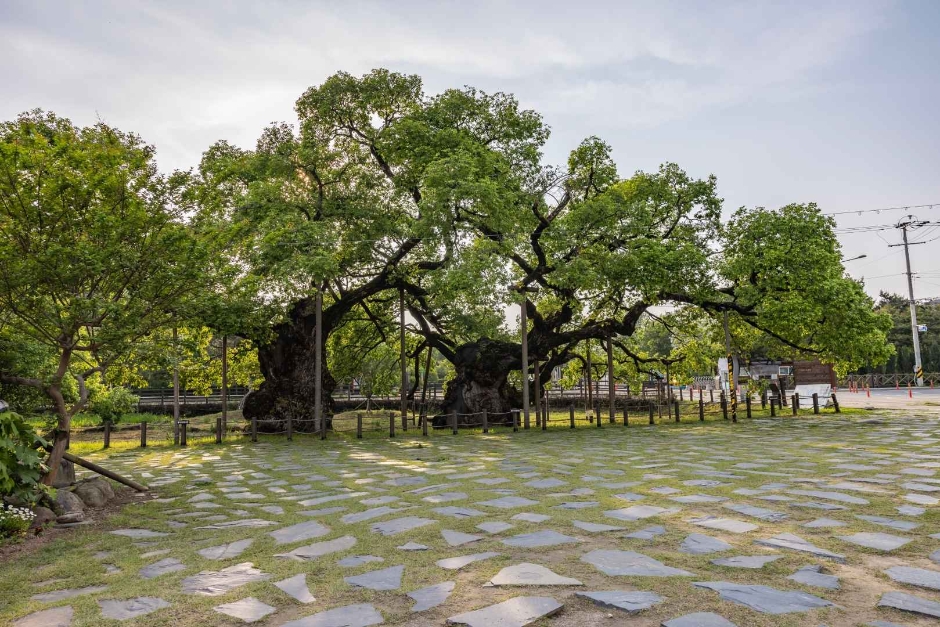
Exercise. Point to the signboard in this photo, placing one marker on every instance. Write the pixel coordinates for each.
(922, 328)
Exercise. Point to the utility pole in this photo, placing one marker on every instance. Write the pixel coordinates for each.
(904, 225)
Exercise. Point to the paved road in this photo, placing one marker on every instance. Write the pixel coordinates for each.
(888, 398)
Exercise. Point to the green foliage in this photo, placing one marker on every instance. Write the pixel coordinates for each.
(901, 338)
(21, 465)
(110, 403)
(14, 521)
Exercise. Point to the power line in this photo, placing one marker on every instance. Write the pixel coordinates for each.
(935, 205)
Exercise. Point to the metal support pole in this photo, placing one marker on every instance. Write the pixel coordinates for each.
(918, 368)
(524, 323)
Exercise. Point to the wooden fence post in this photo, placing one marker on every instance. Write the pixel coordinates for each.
(815, 403)
(107, 434)
(254, 429)
(290, 428)
(571, 416)
(183, 428)
(724, 405)
(675, 405)
(143, 435)
(515, 420)
(652, 415)
(424, 422)
(453, 420)
(796, 403)
(701, 408)
(747, 404)
(773, 407)
(835, 403)
(218, 430)
(626, 419)
(486, 427)
(404, 421)
(711, 396)
(763, 399)
(391, 424)
(359, 426)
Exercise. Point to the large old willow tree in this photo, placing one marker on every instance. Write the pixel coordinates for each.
(382, 192)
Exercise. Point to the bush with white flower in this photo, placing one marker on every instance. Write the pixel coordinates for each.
(15, 521)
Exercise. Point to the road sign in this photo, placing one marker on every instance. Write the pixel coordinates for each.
(922, 328)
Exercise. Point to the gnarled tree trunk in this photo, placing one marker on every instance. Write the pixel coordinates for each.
(287, 363)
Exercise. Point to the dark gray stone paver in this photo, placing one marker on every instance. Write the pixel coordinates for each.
(226, 551)
(796, 543)
(516, 612)
(248, 610)
(456, 563)
(813, 576)
(384, 579)
(431, 596)
(628, 601)
(910, 603)
(879, 541)
(699, 619)
(299, 532)
(68, 593)
(630, 564)
(54, 617)
(527, 574)
(358, 615)
(138, 534)
(919, 577)
(765, 599)
(400, 525)
(296, 587)
(647, 533)
(319, 549)
(700, 544)
(746, 561)
(163, 567)
(538, 539)
(214, 583)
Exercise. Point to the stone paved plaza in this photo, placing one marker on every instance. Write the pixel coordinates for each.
(826, 521)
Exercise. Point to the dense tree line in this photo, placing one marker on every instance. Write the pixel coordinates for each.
(902, 339)
(381, 195)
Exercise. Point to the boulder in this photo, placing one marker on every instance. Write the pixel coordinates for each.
(67, 503)
(65, 476)
(71, 518)
(44, 516)
(94, 492)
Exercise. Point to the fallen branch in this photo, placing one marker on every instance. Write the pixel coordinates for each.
(84, 463)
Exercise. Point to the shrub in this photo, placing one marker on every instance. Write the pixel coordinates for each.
(112, 403)
(21, 459)
(14, 521)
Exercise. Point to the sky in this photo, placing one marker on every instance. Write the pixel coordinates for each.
(833, 102)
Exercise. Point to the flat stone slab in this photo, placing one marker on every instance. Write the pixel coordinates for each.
(539, 538)
(400, 525)
(546, 483)
(595, 527)
(878, 541)
(252, 523)
(384, 579)
(765, 599)
(648, 533)
(822, 523)
(296, 587)
(746, 561)
(456, 563)
(796, 543)
(59, 595)
(698, 498)
(138, 534)
(445, 497)
(700, 544)
(298, 533)
(725, 524)
(131, 608)
(900, 525)
(831, 496)
(919, 577)
(249, 610)
(699, 619)
(910, 603)
(54, 617)
(358, 615)
(628, 601)
(431, 596)
(509, 502)
(226, 551)
(358, 560)
(215, 583)
(458, 538)
(760, 513)
(163, 567)
(526, 574)
(458, 512)
(813, 576)
(577, 505)
(517, 612)
(369, 514)
(532, 518)
(630, 564)
(412, 546)
(319, 549)
(638, 512)
(494, 526)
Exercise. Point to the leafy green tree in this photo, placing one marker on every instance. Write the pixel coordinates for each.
(94, 253)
